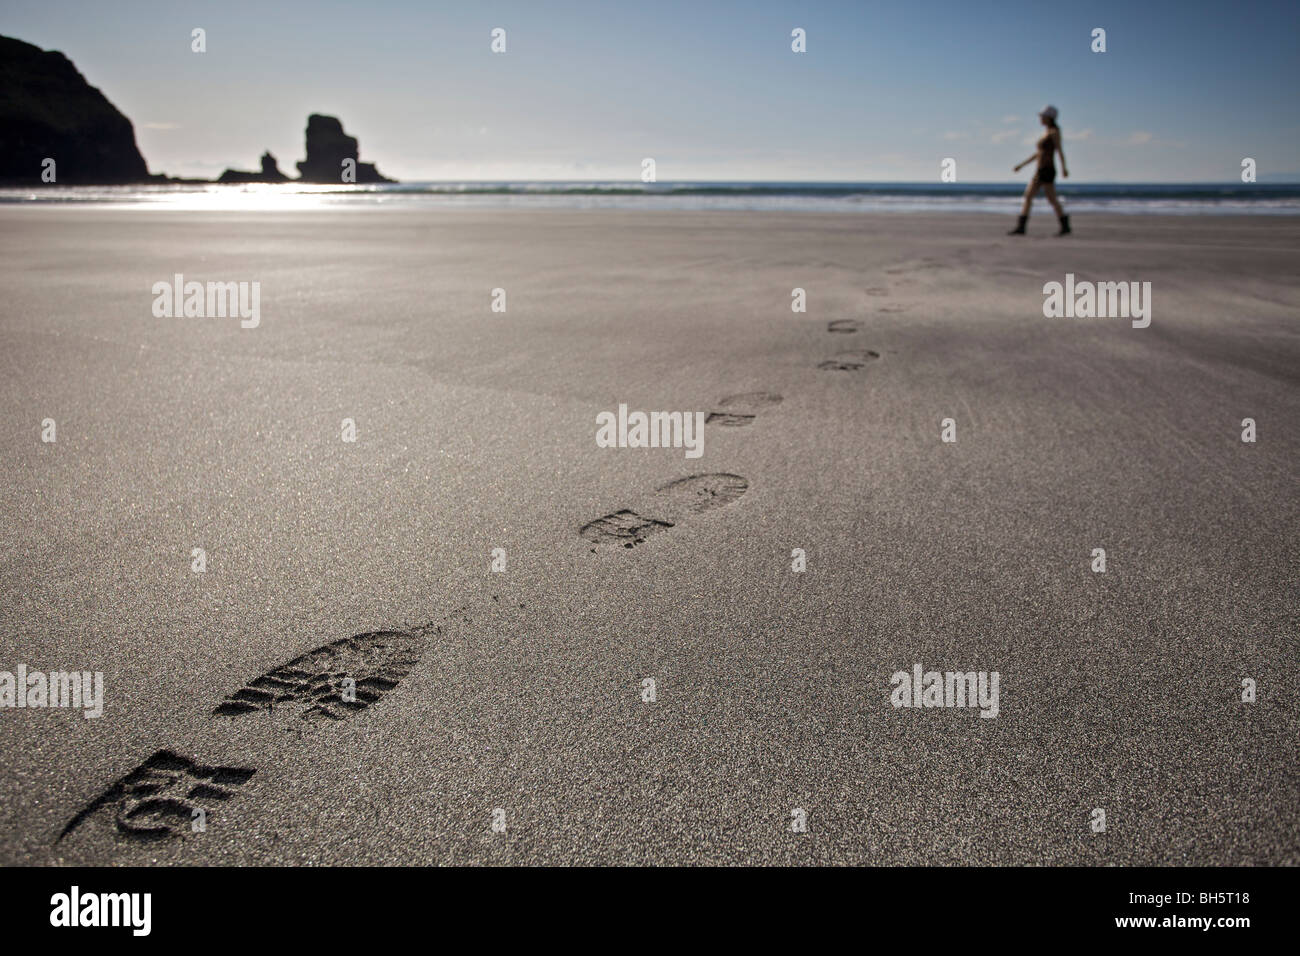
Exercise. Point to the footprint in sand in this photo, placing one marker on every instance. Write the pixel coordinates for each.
(333, 681)
(666, 508)
(877, 290)
(162, 797)
(742, 409)
(891, 308)
(845, 326)
(849, 361)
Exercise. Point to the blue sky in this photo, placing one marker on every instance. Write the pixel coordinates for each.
(710, 90)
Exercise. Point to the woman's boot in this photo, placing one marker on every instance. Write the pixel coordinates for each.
(1020, 227)
(1065, 226)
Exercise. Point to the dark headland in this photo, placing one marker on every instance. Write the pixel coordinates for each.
(49, 112)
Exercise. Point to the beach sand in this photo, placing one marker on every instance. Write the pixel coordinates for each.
(522, 690)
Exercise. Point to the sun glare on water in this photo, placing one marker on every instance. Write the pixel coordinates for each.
(200, 197)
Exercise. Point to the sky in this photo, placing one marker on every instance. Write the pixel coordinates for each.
(710, 90)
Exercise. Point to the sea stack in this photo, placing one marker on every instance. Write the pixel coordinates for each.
(327, 149)
(270, 173)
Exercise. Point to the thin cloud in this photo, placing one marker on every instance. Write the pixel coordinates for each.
(1143, 138)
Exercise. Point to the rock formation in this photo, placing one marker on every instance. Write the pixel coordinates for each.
(270, 173)
(49, 111)
(327, 147)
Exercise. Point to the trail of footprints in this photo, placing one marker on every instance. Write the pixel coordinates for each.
(161, 798)
(678, 500)
(853, 360)
(669, 505)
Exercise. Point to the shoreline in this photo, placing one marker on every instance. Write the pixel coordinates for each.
(1128, 199)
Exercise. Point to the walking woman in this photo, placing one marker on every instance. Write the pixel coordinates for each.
(1045, 177)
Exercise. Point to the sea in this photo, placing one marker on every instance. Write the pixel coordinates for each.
(1124, 198)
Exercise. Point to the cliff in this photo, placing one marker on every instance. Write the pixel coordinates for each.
(49, 111)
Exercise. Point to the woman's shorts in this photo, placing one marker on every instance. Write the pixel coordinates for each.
(1046, 174)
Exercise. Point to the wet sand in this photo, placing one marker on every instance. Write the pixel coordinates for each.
(523, 690)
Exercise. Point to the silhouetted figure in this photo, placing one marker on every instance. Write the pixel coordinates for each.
(1045, 175)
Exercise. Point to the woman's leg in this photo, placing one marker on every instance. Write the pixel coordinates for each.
(1029, 196)
(1049, 190)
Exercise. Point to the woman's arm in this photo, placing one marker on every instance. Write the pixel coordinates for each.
(1026, 162)
(1065, 172)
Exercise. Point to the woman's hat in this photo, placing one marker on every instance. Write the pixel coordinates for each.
(1048, 111)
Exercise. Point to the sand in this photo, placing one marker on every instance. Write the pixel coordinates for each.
(1119, 691)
